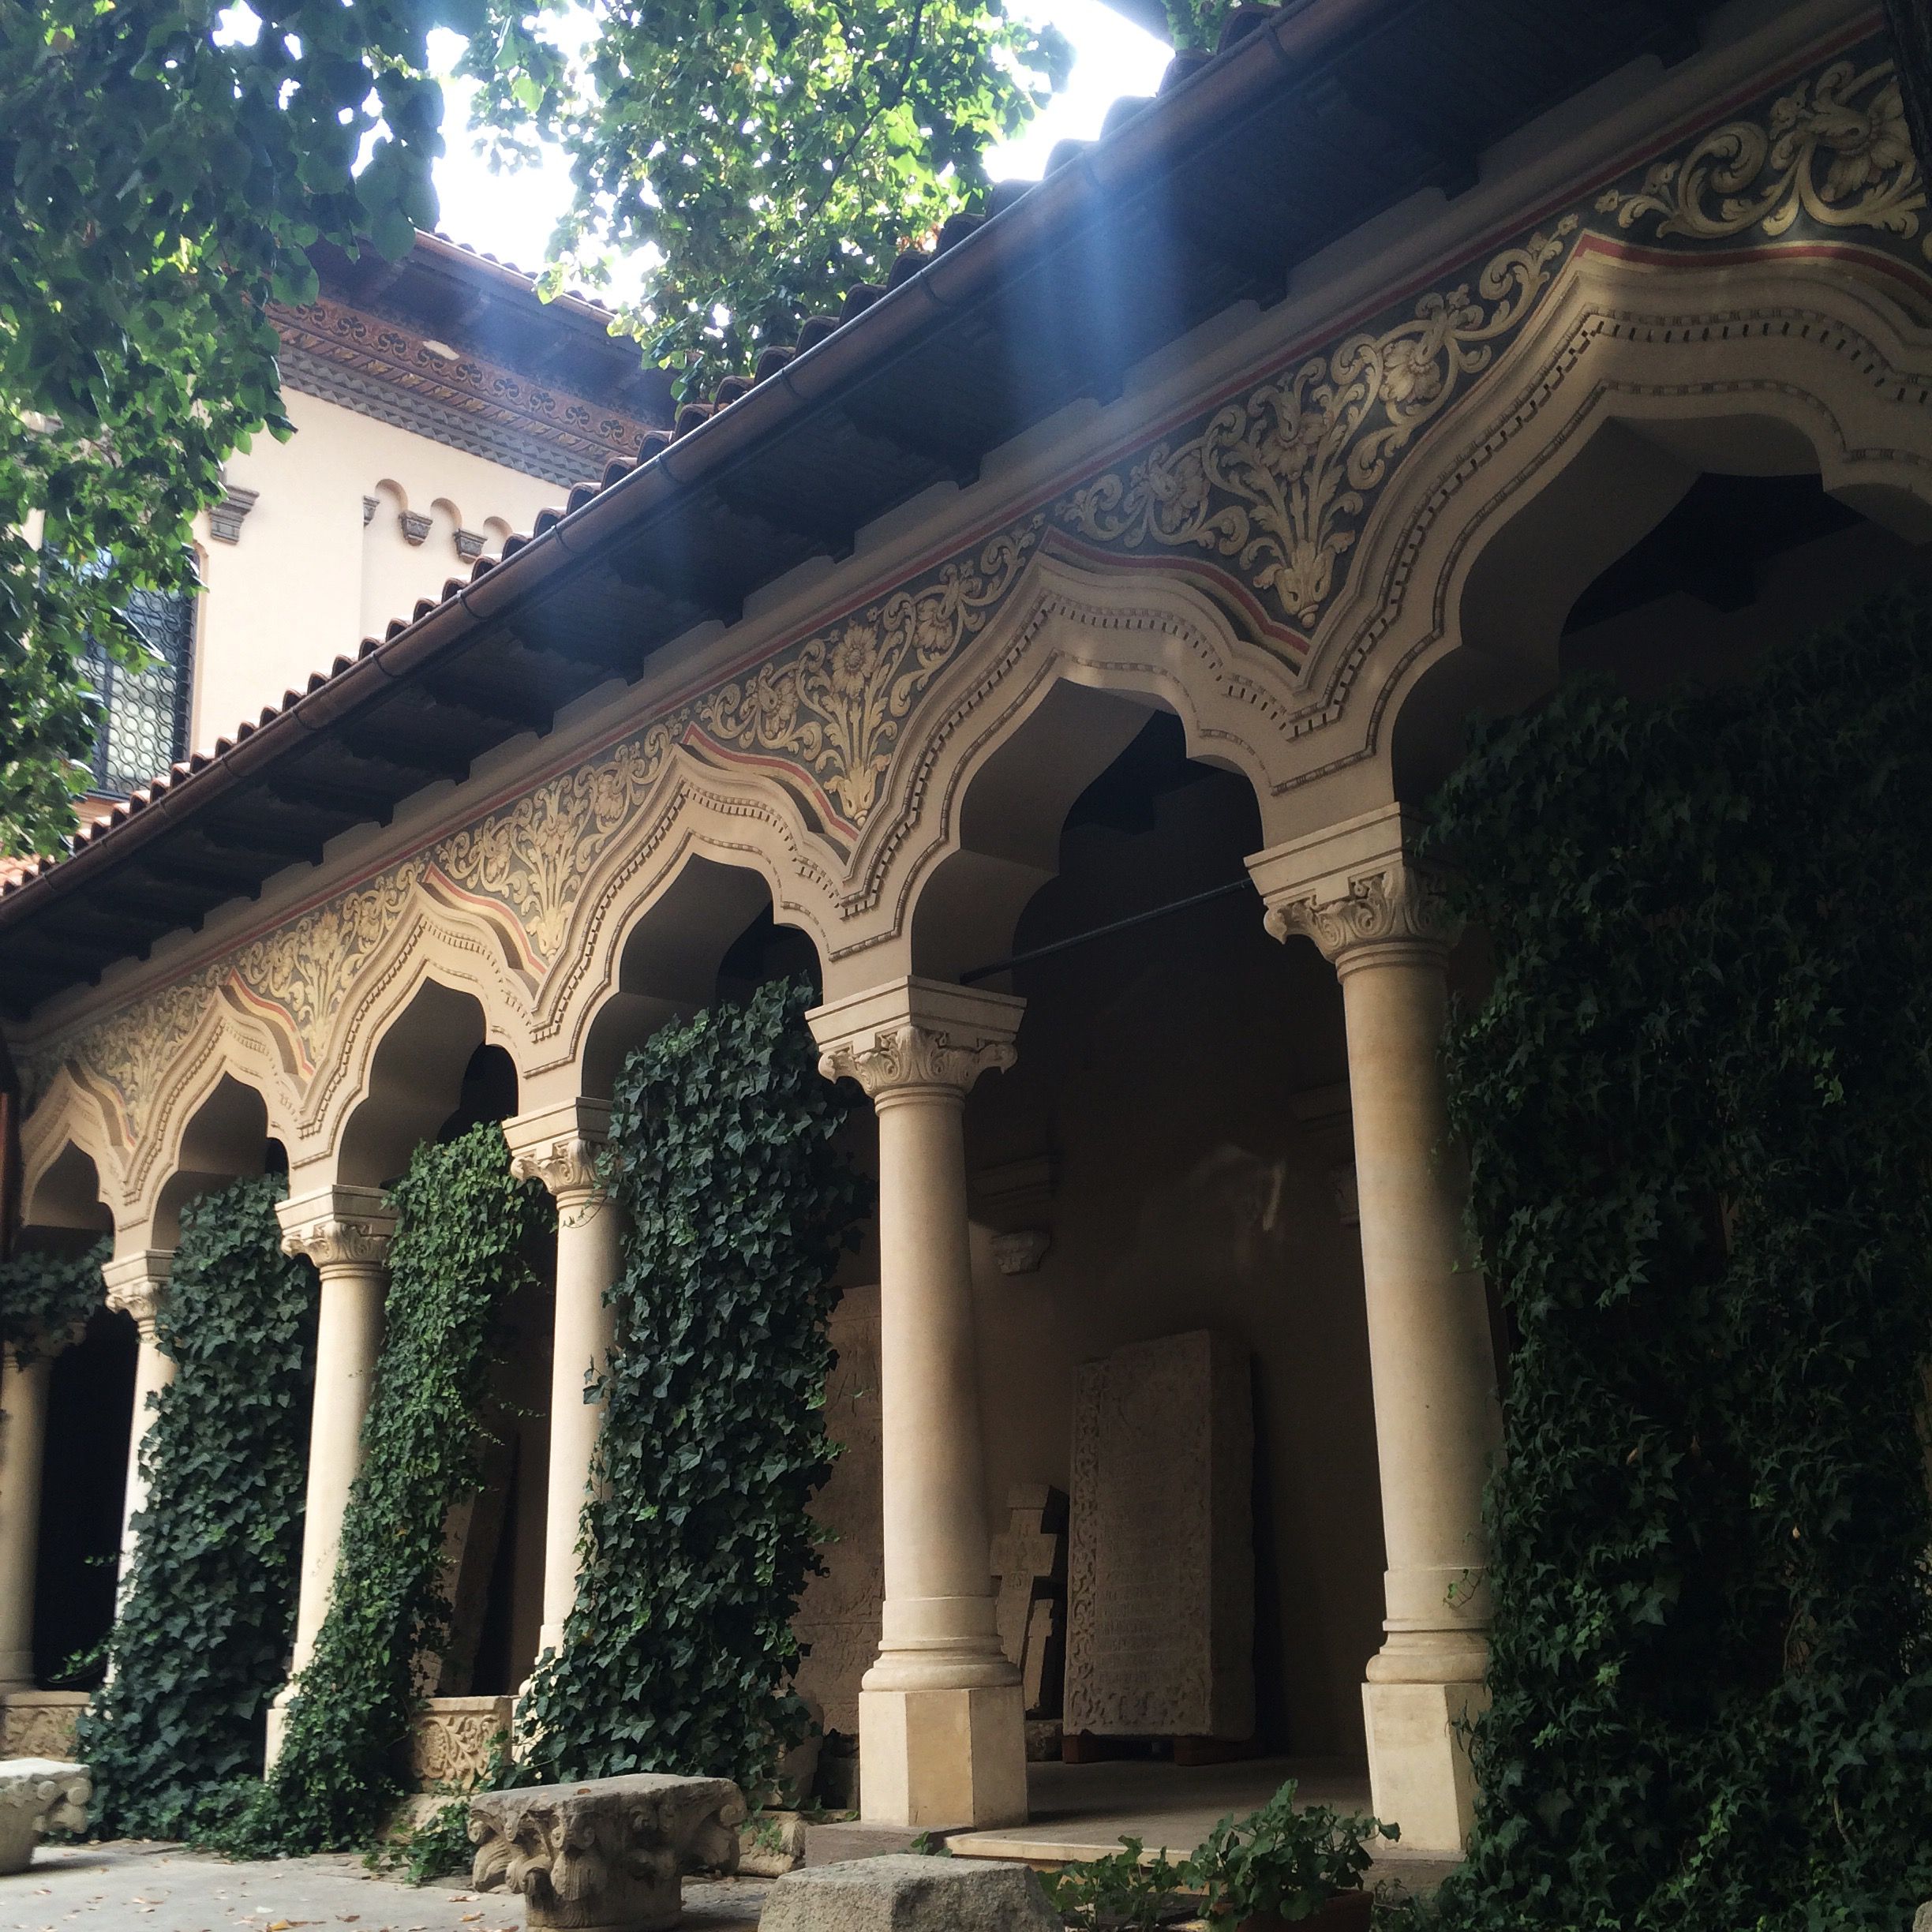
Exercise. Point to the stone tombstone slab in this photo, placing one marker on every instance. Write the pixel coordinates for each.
(838, 1615)
(907, 1892)
(1161, 1575)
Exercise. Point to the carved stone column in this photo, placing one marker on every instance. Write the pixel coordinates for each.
(136, 1284)
(941, 1731)
(23, 1449)
(1357, 891)
(345, 1231)
(560, 1148)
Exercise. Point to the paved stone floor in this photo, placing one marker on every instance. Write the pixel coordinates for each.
(129, 1887)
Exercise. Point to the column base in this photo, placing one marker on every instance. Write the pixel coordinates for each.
(1419, 1772)
(278, 1725)
(943, 1760)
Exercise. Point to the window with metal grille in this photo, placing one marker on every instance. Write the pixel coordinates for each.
(144, 723)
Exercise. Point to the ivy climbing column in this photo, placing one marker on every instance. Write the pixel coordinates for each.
(941, 1732)
(23, 1448)
(559, 1146)
(136, 1284)
(345, 1231)
(1356, 891)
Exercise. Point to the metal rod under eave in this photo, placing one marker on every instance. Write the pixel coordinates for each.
(1105, 932)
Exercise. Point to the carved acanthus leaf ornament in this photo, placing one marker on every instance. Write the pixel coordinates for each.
(1834, 151)
(1278, 482)
(896, 1058)
(337, 1240)
(567, 1167)
(835, 705)
(1393, 902)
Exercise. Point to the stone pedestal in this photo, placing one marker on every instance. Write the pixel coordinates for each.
(607, 1855)
(38, 1795)
(41, 1723)
(1160, 1635)
(941, 1732)
(1418, 1758)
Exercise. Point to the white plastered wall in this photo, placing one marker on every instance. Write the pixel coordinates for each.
(307, 581)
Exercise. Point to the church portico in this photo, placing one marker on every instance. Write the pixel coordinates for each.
(1027, 787)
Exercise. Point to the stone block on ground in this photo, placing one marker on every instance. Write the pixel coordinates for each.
(839, 1843)
(770, 1844)
(907, 1892)
(38, 1795)
(608, 1855)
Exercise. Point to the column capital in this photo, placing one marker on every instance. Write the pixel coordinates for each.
(338, 1226)
(912, 1034)
(136, 1284)
(1354, 886)
(560, 1145)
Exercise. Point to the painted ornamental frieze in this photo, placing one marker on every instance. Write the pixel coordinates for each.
(1260, 499)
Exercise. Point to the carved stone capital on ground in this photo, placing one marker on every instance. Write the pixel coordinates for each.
(559, 1146)
(38, 1795)
(607, 1854)
(337, 1227)
(913, 1035)
(1354, 886)
(136, 1284)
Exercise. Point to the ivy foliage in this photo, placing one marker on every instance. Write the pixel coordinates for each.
(1695, 1100)
(160, 176)
(199, 1647)
(44, 1296)
(697, 1538)
(464, 1231)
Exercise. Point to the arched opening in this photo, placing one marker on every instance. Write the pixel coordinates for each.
(225, 1140)
(89, 1394)
(434, 1077)
(710, 934)
(1659, 555)
(1170, 1154)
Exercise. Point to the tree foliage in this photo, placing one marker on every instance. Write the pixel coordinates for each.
(159, 182)
(1695, 1100)
(198, 1649)
(775, 152)
(465, 1229)
(697, 1539)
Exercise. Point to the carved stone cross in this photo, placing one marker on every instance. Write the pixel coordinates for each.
(1029, 1559)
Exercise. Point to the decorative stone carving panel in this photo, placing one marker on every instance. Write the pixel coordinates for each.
(453, 1737)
